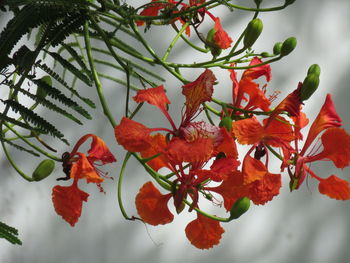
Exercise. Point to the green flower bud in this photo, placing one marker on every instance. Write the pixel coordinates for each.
(277, 48)
(288, 46)
(41, 92)
(43, 170)
(266, 54)
(314, 69)
(226, 122)
(240, 207)
(309, 86)
(252, 32)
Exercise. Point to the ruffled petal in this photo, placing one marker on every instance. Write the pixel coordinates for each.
(264, 190)
(158, 144)
(132, 135)
(152, 206)
(82, 168)
(154, 96)
(204, 232)
(327, 118)
(150, 10)
(336, 147)
(257, 98)
(197, 92)
(334, 187)
(68, 202)
(278, 132)
(248, 131)
(253, 170)
(226, 144)
(221, 38)
(231, 189)
(99, 151)
(179, 151)
(257, 72)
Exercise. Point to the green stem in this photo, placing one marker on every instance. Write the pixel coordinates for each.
(216, 218)
(120, 181)
(157, 59)
(176, 38)
(19, 171)
(274, 152)
(203, 50)
(96, 77)
(216, 112)
(161, 180)
(223, 104)
(33, 145)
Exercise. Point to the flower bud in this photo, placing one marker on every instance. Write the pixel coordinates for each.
(226, 122)
(314, 69)
(41, 92)
(277, 48)
(43, 170)
(288, 46)
(309, 86)
(266, 54)
(252, 32)
(240, 207)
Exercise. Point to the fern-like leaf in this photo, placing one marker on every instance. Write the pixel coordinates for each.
(77, 58)
(69, 66)
(35, 119)
(21, 148)
(9, 233)
(48, 104)
(20, 124)
(58, 95)
(54, 75)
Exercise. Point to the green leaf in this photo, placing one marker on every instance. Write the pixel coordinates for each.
(9, 233)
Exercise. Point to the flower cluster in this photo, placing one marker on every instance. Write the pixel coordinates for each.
(68, 200)
(202, 158)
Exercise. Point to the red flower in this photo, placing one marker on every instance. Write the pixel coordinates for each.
(246, 86)
(221, 39)
(68, 200)
(336, 148)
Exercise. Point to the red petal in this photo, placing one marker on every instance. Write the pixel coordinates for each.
(231, 189)
(84, 169)
(327, 118)
(290, 104)
(152, 206)
(336, 147)
(179, 151)
(253, 170)
(154, 96)
(99, 151)
(248, 131)
(334, 187)
(257, 98)
(265, 189)
(221, 38)
(257, 72)
(278, 132)
(151, 10)
(197, 92)
(224, 166)
(133, 136)
(204, 232)
(158, 144)
(227, 145)
(68, 202)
